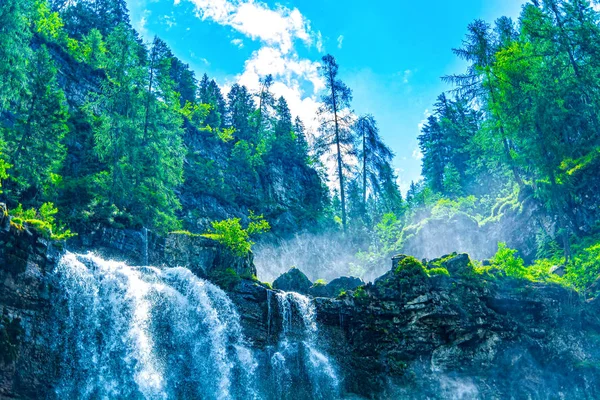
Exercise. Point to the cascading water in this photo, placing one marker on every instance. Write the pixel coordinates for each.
(128, 332)
(299, 369)
(148, 333)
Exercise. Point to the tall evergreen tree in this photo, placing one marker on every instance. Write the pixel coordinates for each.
(374, 155)
(239, 108)
(35, 142)
(15, 36)
(335, 122)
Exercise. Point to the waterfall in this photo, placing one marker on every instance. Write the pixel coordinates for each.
(124, 332)
(298, 355)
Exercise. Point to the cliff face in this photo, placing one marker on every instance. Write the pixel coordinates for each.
(407, 335)
(461, 337)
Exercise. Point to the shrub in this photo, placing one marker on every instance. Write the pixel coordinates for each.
(360, 293)
(507, 262)
(320, 282)
(43, 221)
(230, 233)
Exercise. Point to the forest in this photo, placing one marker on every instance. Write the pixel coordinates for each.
(99, 128)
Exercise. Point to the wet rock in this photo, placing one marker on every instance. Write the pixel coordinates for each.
(293, 281)
(336, 287)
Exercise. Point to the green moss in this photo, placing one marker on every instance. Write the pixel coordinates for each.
(438, 272)
(320, 282)
(410, 269)
(268, 285)
(226, 279)
(185, 233)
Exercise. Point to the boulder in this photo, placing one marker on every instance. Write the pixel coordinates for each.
(456, 264)
(293, 281)
(336, 286)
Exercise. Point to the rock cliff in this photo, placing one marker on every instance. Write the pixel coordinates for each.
(413, 333)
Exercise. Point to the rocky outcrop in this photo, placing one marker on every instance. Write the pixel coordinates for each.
(293, 281)
(411, 335)
(336, 287)
(25, 259)
(416, 332)
(201, 255)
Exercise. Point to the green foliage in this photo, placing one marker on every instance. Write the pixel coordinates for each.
(409, 270)
(583, 270)
(320, 282)
(439, 271)
(43, 220)
(47, 23)
(15, 36)
(230, 233)
(4, 167)
(35, 142)
(507, 262)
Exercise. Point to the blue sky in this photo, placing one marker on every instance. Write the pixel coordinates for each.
(391, 53)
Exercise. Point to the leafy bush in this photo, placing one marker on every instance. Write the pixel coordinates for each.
(584, 268)
(230, 233)
(4, 166)
(506, 261)
(43, 221)
(320, 282)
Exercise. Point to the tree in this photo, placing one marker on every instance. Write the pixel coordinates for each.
(335, 122)
(283, 145)
(15, 36)
(239, 108)
(266, 101)
(137, 129)
(302, 146)
(374, 155)
(185, 81)
(35, 142)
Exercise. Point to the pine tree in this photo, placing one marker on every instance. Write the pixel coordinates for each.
(36, 140)
(335, 123)
(266, 102)
(374, 155)
(15, 36)
(239, 108)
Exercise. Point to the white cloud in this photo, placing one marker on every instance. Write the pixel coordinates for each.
(278, 30)
(289, 71)
(238, 42)
(275, 27)
(340, 41)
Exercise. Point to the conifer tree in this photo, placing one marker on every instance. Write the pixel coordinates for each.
(335, 123)
(35, 142)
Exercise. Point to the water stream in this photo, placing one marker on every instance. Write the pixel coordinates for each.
(148, 333)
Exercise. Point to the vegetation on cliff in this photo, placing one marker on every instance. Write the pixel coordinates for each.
(99, 128)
